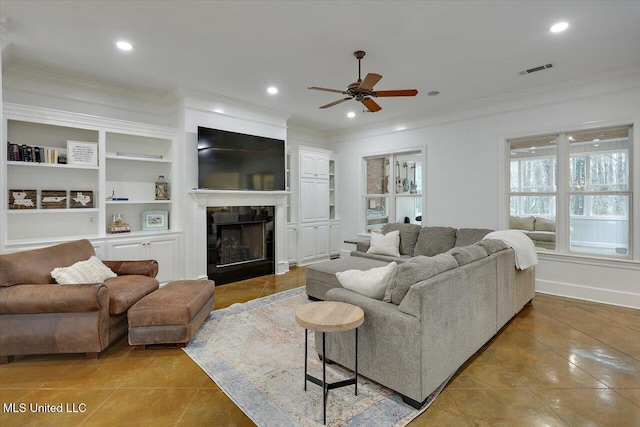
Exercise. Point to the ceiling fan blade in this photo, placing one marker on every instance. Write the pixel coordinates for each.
(340, 101)
(371, 105)
(370, 81)
(402, 92)
(327, 90)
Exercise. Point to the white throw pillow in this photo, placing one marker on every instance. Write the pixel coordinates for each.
(372, 283)
(385, 244)
(89, 271)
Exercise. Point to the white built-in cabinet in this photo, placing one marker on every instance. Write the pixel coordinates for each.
(130, 158)
(313, 228)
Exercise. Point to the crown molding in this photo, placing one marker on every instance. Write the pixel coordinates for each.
(587, 87)
(87, 121)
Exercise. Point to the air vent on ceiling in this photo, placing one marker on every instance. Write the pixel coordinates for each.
(534, 69)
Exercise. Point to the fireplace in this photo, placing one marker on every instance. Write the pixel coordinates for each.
(239, 242)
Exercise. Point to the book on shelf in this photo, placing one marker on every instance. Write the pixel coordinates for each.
(33, 154)
(140, 155)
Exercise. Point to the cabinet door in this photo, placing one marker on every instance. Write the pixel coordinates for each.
(335, 238)
(321, 197)
(308, 200)
(322, 166)
(322, 240)
(165, 252)
(292, 244)
(307, 165)
(307, 244)
(126, 250)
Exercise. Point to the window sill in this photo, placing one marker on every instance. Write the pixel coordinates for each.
(629, 264)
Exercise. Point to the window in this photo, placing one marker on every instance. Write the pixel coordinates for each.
(393, 189)
(595, 198)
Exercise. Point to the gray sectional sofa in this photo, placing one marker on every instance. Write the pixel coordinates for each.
(439, 308)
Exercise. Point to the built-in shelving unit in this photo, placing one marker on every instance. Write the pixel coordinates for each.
(130, 158)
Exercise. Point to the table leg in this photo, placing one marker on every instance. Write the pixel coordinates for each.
(305, 360)
(356, 372)
(324, 381)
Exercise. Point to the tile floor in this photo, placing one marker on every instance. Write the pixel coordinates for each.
(559, 362)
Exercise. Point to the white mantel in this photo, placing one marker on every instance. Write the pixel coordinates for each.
(216, 198)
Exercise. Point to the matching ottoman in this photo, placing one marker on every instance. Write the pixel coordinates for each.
(321, 277)
(172, 314)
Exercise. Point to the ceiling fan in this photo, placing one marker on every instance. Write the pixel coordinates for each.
(362, 90)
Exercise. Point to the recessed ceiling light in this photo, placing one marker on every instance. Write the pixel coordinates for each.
(123, 45)
(559, 27)
(351, 114)
(433, 93)
(272, 90)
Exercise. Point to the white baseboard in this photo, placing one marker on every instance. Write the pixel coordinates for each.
(587, 293)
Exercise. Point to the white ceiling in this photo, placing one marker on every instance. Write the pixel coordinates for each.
(467, 50)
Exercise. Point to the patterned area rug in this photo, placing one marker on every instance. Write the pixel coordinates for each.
(255, 353)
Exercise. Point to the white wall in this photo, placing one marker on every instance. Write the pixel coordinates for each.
(465, 178)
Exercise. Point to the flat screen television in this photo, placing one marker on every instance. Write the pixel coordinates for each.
(236, 161)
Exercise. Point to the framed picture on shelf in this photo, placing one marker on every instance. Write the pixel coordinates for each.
(82, 153)
(155, 220)
(80, 199)
(53, 199)
(23, 199)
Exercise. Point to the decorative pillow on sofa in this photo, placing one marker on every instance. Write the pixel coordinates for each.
(89, 271)
(372, 283)
(435, 240)
(415, 270)
(466, 254)
(385, 244)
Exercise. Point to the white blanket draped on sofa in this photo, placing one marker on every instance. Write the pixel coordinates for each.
(523, 247)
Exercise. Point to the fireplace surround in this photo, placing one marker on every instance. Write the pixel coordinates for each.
(225, 199)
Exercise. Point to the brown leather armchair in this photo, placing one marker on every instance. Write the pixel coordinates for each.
(39, 316)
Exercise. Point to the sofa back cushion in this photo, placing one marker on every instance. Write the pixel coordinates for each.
(417, 269)
(543, 224)
(491, 246)
(467, 254)
(521, 223)
(408, 235)
(35, 266)
(435, 240)
(469, 236)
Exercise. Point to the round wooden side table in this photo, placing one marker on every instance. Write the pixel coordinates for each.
(329, 316)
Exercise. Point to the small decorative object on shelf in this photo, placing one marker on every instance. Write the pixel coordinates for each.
(82, 153)
(81, 199)
(23, 199)
(62, 159)
(118, 225)
(155, 220)
(162, 189)
(53, 199)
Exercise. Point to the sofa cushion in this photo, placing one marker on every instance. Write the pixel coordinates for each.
(385, 258)
(543, 224)
(417, 269)
(408, 235)
(491, 246)
(543, 236)
(385, 244)
(469, 236)
(435, 240)
(372, 283)
(466, 254)
(124, 291)
(521, 223)
(89, 271)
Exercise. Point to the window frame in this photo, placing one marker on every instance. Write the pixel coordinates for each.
(392, 196)
(564, 191)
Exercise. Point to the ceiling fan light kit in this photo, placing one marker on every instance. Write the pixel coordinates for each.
(362, 90)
